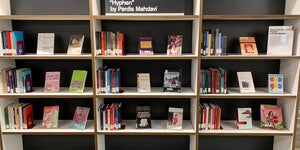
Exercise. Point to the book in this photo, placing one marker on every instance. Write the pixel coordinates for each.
(245, 81)
(174, 45)
(271, 116)
(143, 117)
(244, 118)
(143, 82)
(248, 46)
(175, 118)
(280, 40)
(78, 81)
(75, 44)
(18, 47)
(27, 81)
(27, 116)
(275, 83)
(145, 46)
(45, 44)
(52, 81)
(80, 117)
(172, 80)
(50, 117)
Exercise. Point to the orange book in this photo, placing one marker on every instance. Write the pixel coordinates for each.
(248, 46)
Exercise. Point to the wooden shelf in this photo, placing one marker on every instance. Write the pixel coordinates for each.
(45, 17)
(46, 57)
(149, 57)
(243, 57)
(147, 17)
(250, 17)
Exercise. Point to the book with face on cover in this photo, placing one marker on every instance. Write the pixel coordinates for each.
(50, 117)
(271, 116)
(78, 81)
(80, 117)
(52, 81)
(174, 45)
(175, 116)
(75, 44)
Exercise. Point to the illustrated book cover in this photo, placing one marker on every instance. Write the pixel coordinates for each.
(172, 80)
(174, 45)
(78, 81)
(145, 46)
(248, 46)
(45, 44)
(80, 118)
(50, 117)
(244, 118)
(271, 116)
(175, 118)
(75, 44)
(275, 83)
(52, 81)
(280, 40)
(245, 80)
(143, 82)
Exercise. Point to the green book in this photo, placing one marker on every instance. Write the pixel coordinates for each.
(78, 81)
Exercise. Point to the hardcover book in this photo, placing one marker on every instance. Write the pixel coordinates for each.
(143, 117)
(18, 43)
(45, 43)
(50, 117)
(271, 116)
(244, 118)
(52, 81)
(27, 117)
(280, 40)
(175, 118)
(174, 45)
(80, 117)
(248, 46)
(172, 80)
(275, 83)
(78, 81)
(143, 82)
(145, 46)
(75, 44)
(246, 82)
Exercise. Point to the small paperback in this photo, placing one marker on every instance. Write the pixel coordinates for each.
(244, 118)
(275, 83)
(80, 118)
(280, 40)
(245, 82)
(50, 117)
(52, 81)
(172, 80)
(174, 45)
(143, 117)
(143, 82)
(75, 44)
(45, 44)
(175, 116)
(271, 116)
(145, 46)
(248, 46)
(78, 81)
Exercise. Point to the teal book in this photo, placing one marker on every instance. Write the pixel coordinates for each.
(78, 81)
(80, 118)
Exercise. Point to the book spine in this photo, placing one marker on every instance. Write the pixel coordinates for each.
(103, 43)
(208, 75)
(219, 51)
(121, 44)
(224, 45)
(98, 42)
(6, 117)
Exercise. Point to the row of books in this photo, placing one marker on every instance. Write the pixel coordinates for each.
(213, 81)
(209, 117)
(18, 116)
(213, 43)
(12, 43)
(109, 43)
(15, 80)
(110, 116)
(108, 80)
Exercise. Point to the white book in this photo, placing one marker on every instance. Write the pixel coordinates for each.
(143, 82)
(246, 82)
(280, 40)
(45, 44)
(175, 118)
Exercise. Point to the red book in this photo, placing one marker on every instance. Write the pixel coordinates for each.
(9, 42)
(217, 81)
(120, 43)
(212, 71)
(28, 117)
(103, 43)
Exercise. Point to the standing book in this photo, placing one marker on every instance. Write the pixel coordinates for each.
(50, 117)
(52, 81)
(275, 83)
(248, 46)
(175, 116)
(145, 46)
(244, 118)
(271, 116)
(45, 44)
(172, 80)
(174, 45)
(246, 82)
(280, 40)
(75, 44)
(143, 82)
(80, 118)
(78, 81)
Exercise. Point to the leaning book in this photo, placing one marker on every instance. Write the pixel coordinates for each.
(52, 81)
(172, 80)
(75, 44)
(271, 116)
(50, 117)
(175, 116)
(78, 81)
(45, 44)
(280, 40)
(80, 118)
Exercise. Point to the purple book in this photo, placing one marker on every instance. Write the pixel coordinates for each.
(145, 46)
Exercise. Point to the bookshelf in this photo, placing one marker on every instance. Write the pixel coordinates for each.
(234, 19)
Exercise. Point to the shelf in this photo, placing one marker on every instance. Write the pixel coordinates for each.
(39, 93)
(259, 93)
(243, 57)
(250, 17)
(229, 129)
(64, 128)
(45, 17)
(156, 92)
(158, 128)
(147, 17)
(148, 57)
(55, 56)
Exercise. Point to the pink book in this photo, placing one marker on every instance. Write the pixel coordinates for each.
(52, 81)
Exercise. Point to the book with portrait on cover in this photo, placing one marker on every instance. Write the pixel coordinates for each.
(175, 116)
(80, 117)
(75, 44)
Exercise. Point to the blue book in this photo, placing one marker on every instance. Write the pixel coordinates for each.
(18, 42)
(27, 81)
(223, 80)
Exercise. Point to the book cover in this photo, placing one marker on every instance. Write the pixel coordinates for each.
(78, 81)
(27, 117)
(280, 40)
(80, 117)
(52, 81)
(18, 42)
(174, 45)
(75, 44)
(248, 46)
(275, 83)
(45, 44)
(145, 46)
(143, 82)
(172, 80)
(245, 80)
(271, 116)
(244, 118)
(27, 81)
(143, 117)
(50, 117)
(175, 118)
